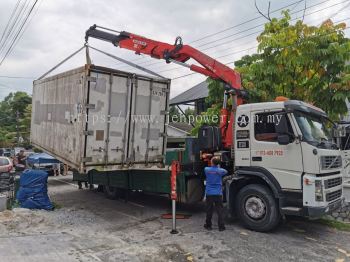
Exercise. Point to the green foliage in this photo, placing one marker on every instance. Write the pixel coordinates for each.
(173, 111)
(209, 117)
(15, 109)
(189, 111)
(300, 62)
(215, 92)
(334, 224)
(214, 100)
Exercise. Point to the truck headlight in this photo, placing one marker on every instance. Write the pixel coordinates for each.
(318, 190)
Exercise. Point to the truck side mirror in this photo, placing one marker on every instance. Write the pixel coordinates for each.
(283, 139)
(339, 131)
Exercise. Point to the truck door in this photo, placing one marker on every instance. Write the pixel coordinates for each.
(284, 162)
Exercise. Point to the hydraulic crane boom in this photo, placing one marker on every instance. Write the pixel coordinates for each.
(179, 53)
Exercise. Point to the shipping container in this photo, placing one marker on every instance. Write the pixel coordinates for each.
(99, 118)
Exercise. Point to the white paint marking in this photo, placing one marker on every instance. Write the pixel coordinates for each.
(135, 204)
(95, 257)
(127, 215)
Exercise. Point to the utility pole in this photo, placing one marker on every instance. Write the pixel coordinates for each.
(17, 128)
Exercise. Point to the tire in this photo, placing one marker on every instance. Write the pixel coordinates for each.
(257, 208)
(111, 192)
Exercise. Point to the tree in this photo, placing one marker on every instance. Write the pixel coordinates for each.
(189, 112)
(15, 109)
(24, 124)
(173, 111)
(214, 99)
(300, 62)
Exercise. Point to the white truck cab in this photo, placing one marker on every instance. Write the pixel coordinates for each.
(286, 163)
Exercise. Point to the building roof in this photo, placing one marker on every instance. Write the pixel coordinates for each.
(185, 127)
(199, 91)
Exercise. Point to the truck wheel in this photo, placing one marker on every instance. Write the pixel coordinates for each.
(111, 192)
(257, 208)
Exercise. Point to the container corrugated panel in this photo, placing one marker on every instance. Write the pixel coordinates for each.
(94, 117)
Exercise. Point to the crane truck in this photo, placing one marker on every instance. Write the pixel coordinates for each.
(280, 156)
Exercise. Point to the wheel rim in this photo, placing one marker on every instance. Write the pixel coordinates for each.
(255, 207)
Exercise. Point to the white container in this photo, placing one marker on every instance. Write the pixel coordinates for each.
(70, 114)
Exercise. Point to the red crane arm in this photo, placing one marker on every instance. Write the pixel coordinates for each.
(179, 53)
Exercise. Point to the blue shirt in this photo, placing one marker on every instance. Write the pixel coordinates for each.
(214, 176)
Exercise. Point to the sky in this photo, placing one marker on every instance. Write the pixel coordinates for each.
(219, 28)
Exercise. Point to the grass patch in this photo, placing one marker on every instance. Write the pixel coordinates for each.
(334, 224)
(11, 204)
(56, 205)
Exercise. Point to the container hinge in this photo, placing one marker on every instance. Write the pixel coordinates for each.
(117, 149)
(164, 112)
(88, 132)
(90, 106)
(134, 80)
(161, 134)
(91, 79)
(100, 149)
(87, 159)
(153, 148)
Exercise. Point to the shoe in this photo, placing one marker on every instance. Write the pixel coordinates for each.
(222, 228)
(207, 227)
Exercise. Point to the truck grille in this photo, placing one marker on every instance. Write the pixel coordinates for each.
(329, 162)
(333, 195)
(333, 182)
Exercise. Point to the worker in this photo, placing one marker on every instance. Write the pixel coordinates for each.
(21, 158)
(56, 169)
(213, 191)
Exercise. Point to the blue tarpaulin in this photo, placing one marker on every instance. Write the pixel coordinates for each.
(41, 158)
(33, 190)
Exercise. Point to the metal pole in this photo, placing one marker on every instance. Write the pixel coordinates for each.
(17, 127)
(175, 168)
(173, 230)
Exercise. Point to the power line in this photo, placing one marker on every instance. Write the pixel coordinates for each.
(17, 77)
(26, 26)
(311, 13)
(13, 25)
(245, 22)
(236, 52)
(346, 28)
(255, 32)
(18, 32)
(242, 23)
(337, 12)
(9, 21)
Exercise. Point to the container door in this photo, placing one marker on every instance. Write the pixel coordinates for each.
(97, 109)
(107, 121)
(117, 128)
(148, 119)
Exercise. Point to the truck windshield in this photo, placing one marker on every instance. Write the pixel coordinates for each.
(316, 130)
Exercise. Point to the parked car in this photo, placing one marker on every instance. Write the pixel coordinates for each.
(5, 152)
(6, 164)
(44, 162)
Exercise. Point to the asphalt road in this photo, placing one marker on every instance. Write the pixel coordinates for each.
(89, 227)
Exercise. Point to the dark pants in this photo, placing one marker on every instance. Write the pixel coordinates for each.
(214, 200)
